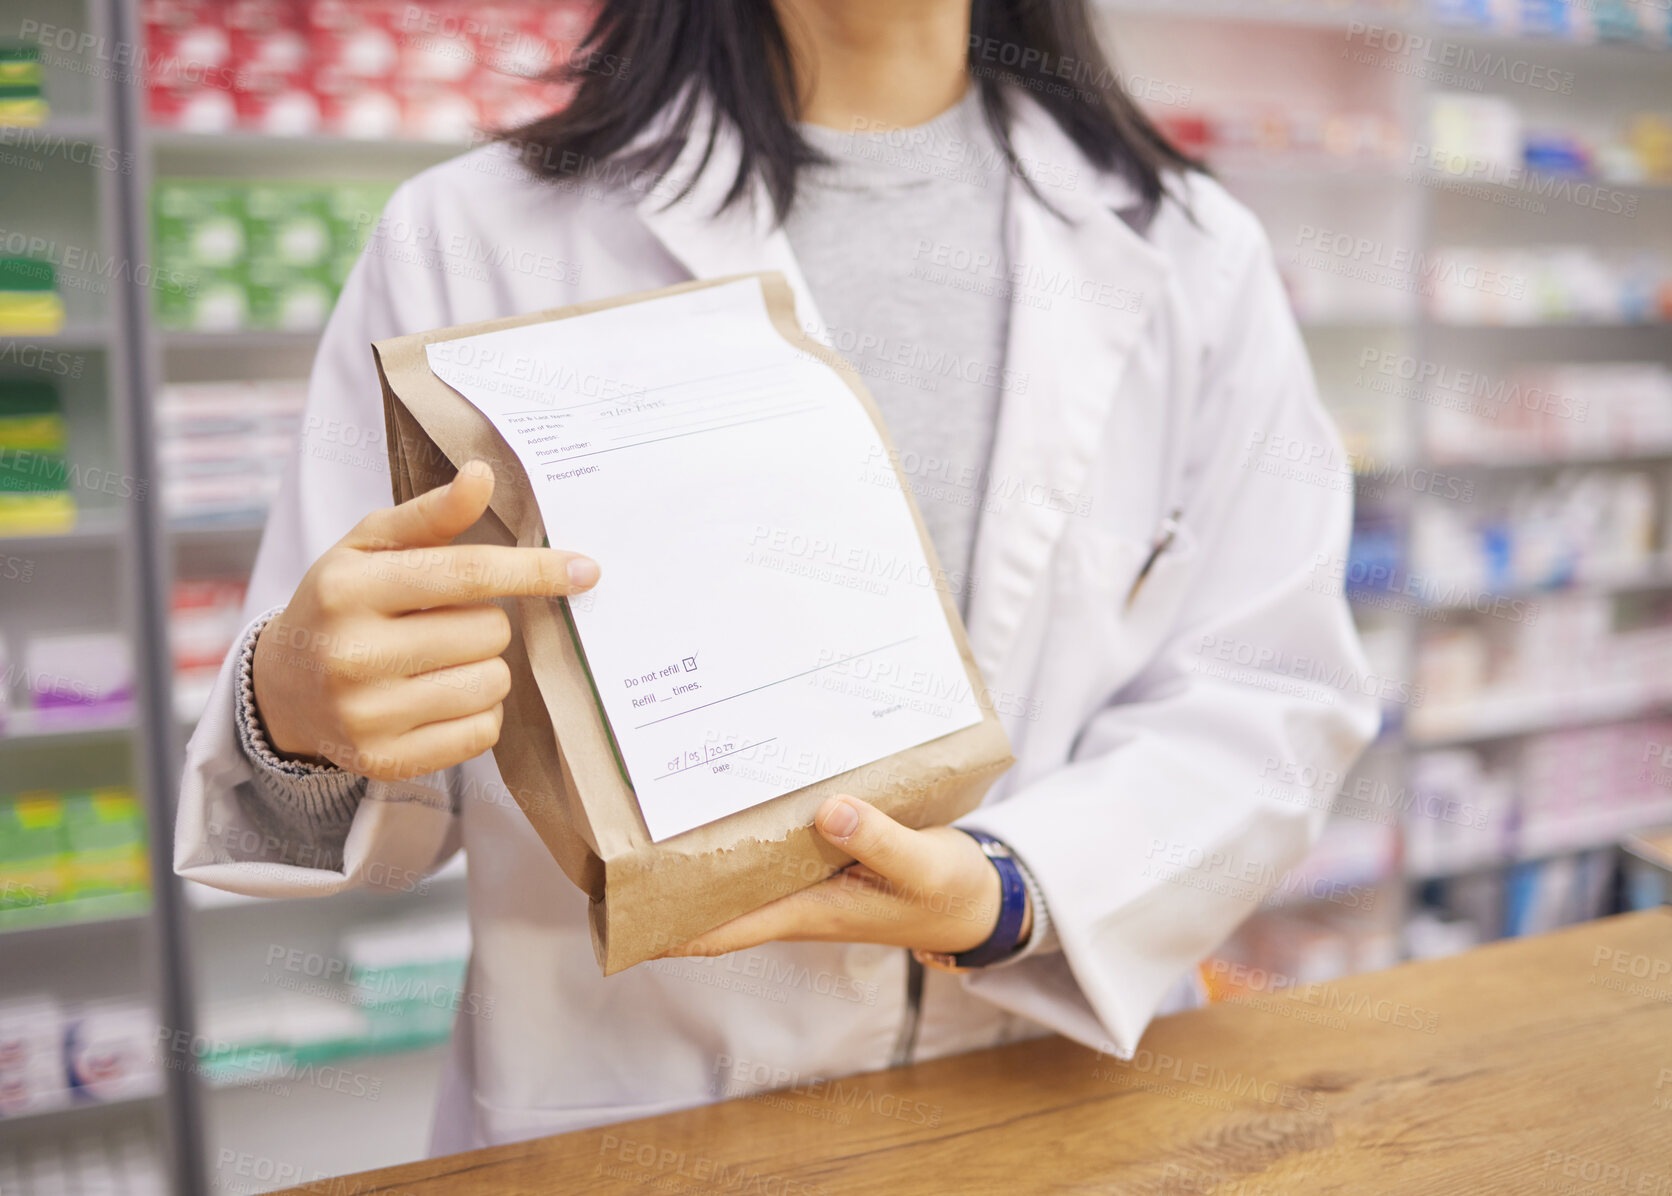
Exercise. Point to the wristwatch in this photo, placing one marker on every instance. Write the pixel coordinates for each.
(1013, 906)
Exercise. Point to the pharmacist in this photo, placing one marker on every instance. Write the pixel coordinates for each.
(1083, 350)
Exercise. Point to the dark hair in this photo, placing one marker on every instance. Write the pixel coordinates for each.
(641, 56)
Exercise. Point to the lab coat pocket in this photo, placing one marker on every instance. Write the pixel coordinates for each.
(1152, 598)
(1124, 592)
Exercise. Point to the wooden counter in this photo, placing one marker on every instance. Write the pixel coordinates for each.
(1536, 1065)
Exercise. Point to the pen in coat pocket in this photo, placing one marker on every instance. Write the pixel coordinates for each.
(1164, 534)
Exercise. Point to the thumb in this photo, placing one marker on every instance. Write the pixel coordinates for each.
(432, 519)
(892, 851)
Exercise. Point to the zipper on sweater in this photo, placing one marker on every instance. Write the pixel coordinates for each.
(905, 1046)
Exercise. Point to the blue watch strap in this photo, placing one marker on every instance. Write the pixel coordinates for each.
(1013, 906)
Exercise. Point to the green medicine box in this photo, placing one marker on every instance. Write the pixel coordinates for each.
(104, 832)
(22, 94)
(263, 255)
(33, 440)
(33, 852)
(202, 251)
(288, 224)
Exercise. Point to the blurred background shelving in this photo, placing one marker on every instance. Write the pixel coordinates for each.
(263, 226)
(293, 1039)
(1471, 205)
(90, 947)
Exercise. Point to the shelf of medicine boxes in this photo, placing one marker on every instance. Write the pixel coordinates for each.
(59, 139)
(215, 922)
(1513, 716)
(1423, 188)
(243, 155)
(1530, 714)
(65, 171)
(88, 950)
(277, 353)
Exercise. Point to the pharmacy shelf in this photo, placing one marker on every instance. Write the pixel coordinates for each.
(1309, 172)
(337, 1056)
(1499, 719)
(46, 1121)
(33, 729)
(1534, 184)
(1653, 576)
(72, 338)
(187, 546)
(253, 339)
(1557, 45)
(241, 156)
(72, 918)
(166, 141)
(74, 127)
(1547, 326)
(93, 529)
(1598, 842)
(1625, 455)
(1409, 205)
(1306, 173)
(1328, 15)
(1297, 13)
(1350, 323)
(240, 529)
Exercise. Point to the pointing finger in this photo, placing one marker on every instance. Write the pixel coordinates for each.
(420, 578)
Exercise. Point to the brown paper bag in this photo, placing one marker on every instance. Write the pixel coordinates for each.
(555, 753)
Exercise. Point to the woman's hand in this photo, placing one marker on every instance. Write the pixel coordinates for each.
(387, 660)
(932, 890)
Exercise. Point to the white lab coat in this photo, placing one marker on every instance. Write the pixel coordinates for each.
(1150, 372)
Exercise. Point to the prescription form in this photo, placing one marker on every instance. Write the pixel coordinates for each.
(767, 617)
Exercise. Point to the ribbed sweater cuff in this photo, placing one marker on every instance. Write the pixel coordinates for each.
(326, 795)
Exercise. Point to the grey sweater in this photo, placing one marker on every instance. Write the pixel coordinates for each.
(894, 237)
